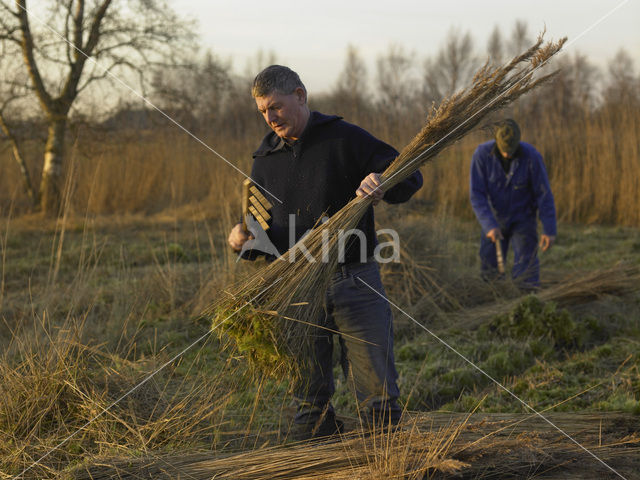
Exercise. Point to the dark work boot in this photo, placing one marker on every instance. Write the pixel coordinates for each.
(316, 424)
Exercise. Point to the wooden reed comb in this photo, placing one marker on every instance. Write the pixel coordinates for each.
(256, 204)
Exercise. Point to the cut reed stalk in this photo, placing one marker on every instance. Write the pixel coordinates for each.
(434, 445)
(576, 289)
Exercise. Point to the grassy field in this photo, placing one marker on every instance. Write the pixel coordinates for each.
(91, 306)
(110, 369)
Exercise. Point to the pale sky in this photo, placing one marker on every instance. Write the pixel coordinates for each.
(312, 36)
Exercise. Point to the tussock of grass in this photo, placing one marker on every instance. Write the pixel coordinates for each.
(533, 318)
(60, 388)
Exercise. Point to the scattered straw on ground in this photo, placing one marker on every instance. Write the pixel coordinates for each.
(428, 446)
(575, 289)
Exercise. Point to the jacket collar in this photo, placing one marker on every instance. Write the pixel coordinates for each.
(272, 143)
(496, 153)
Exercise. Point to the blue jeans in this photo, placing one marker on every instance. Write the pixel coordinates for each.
(526, 268)
(360, 314)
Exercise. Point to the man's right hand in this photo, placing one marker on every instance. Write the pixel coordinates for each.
(494, 235)
(238, 237)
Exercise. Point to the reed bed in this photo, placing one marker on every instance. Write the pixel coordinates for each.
(295, 284)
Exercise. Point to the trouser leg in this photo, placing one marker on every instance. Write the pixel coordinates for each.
(313, 392)
(364, 318)
(526, 267)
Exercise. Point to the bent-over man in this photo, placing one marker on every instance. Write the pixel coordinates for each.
(509, 189)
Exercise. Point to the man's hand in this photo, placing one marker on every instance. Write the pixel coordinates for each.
(494, 235)
(370, 187)
(238, 237)
(546, 241)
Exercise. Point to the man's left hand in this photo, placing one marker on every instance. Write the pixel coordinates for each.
(546, 241)
(370, 187)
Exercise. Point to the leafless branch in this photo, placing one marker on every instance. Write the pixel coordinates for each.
(105, 73)
(8, 29)
(4, 127)
(77, 29)
(67, 29)
(29, 57)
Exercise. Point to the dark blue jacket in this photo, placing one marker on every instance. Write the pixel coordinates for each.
(319, 174)
(501, 199)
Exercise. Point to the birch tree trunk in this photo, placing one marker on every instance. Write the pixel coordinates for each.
(51, 182)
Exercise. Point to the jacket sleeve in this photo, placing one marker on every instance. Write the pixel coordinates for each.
(543, 195)
(380, 159)
(479, 194)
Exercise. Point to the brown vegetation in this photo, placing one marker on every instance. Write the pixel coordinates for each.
(585, 123)
(91, 305)
(427, 446)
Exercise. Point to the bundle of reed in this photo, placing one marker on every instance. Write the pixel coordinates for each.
(619, 279)
(430, 445)
(297, 281)
(403, 454)
(575, 289)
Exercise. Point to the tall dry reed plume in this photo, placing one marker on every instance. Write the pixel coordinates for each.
(268, 315)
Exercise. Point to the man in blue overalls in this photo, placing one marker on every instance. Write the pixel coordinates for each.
(509, 189)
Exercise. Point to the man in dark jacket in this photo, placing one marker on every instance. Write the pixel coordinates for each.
(309, 166)
(509, 189)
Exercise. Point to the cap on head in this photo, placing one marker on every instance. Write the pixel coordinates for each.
(508, 136)
(276, 78)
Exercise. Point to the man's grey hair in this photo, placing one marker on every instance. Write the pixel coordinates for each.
(276, 79)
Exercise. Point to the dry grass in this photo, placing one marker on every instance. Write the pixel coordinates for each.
(59, 388)
(575, 289)
(428, 446)
(74, 341)
(62, 390)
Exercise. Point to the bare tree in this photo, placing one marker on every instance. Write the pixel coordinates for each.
(198, 89)
(623, 87)
(259, 61)
(495, 47)
(452, 67)
(520, 39)
(351, 89)
(14, 106)
(571, 95)
(585, 78)
(125, 37)
(395, 79)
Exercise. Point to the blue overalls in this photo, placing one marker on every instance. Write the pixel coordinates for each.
(511, 201)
